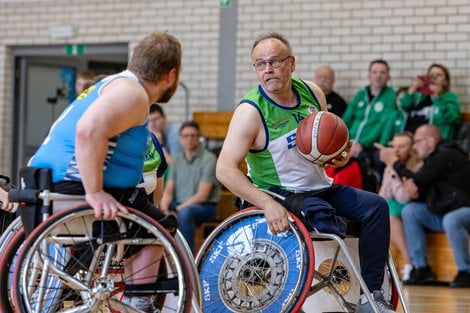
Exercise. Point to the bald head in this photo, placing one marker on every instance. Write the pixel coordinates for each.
(430, 130)
(426, 139)
(325, 78)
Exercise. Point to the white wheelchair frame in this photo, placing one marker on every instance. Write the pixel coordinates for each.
(185, 256)
(325, 280)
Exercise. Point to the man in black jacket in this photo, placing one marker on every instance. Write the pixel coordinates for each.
(442, 192)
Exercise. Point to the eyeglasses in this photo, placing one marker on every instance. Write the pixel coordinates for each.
(189, 136)
(416, 141)
(260, 65)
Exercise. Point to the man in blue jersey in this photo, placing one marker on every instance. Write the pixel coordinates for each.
(262, 131)
(98, 144)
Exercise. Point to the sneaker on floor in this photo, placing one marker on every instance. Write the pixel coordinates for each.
(143, 304)
(420, 276)
(406, 271)
(364, 306)
(462, 280)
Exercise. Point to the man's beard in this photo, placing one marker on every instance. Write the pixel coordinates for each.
(168, 93)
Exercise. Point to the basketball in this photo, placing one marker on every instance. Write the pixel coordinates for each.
(321, 136)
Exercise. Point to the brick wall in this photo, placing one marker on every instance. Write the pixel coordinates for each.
(348, 34)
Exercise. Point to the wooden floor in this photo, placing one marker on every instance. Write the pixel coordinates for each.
(437, 299)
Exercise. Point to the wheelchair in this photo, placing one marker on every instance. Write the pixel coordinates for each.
(244, 267)
(73, 262)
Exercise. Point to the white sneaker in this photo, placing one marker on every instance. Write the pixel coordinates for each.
(406, 271)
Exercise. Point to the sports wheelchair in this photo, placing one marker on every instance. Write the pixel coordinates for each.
(73, 262)
(243, 267)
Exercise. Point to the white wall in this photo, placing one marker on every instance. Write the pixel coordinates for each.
(347, 34)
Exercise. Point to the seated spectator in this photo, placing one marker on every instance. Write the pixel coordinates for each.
(167, 133)
(442, 203)
(430, 101)
(191, 189)
(347, 175)
(396, 123)
(368, 112)
(325, 79)
(356, 173)
(394, 192)
(85, 79)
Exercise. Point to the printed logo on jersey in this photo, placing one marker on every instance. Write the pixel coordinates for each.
(313, 109)
(298, 116)
(281, 123)
(360, 104)
(291, 143)
(86, 92)
(379, 106)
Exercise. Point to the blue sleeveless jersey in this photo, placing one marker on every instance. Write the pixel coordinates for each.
(125, 156)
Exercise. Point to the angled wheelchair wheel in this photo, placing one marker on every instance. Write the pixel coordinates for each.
(89, 262)
(334, 287)
(243, 267)
(8, 262)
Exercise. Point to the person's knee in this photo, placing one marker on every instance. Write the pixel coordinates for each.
(381, 207)
(407, 213)
(184, 215)
(449, 223)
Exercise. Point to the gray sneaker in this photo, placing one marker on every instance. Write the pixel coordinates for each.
(382, 305)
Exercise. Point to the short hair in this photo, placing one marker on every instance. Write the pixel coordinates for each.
(431, 131)
(402, 89)
(155, 56)
(379, 61)
(445, 88)
(272, 35)
(86, 74)
(328, 67)
(406, 134)
(156, 108)
(191, 123)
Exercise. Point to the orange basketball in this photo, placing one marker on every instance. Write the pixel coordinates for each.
(321, 136)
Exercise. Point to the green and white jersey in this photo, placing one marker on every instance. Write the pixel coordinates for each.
(279, 163)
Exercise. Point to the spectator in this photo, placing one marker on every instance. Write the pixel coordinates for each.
(347, 175)
(394, 192)
(430, 101)
(368, 113)
(325, 79)
(396, 123)
(85, 78)
(442, 203)
(167, 133)
(191, 189)
(256, 135)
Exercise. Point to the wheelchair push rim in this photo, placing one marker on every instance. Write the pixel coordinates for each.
(244, 267)
(108, 289)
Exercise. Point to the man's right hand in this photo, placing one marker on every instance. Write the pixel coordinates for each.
(105, 205)
(277, 217)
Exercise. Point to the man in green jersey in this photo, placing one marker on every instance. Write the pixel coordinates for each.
(263, 130)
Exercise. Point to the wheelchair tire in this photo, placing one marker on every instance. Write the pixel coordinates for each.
(244, 268)
(92, 280)
(7, 260)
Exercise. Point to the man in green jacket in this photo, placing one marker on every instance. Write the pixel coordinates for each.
(368, 112)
